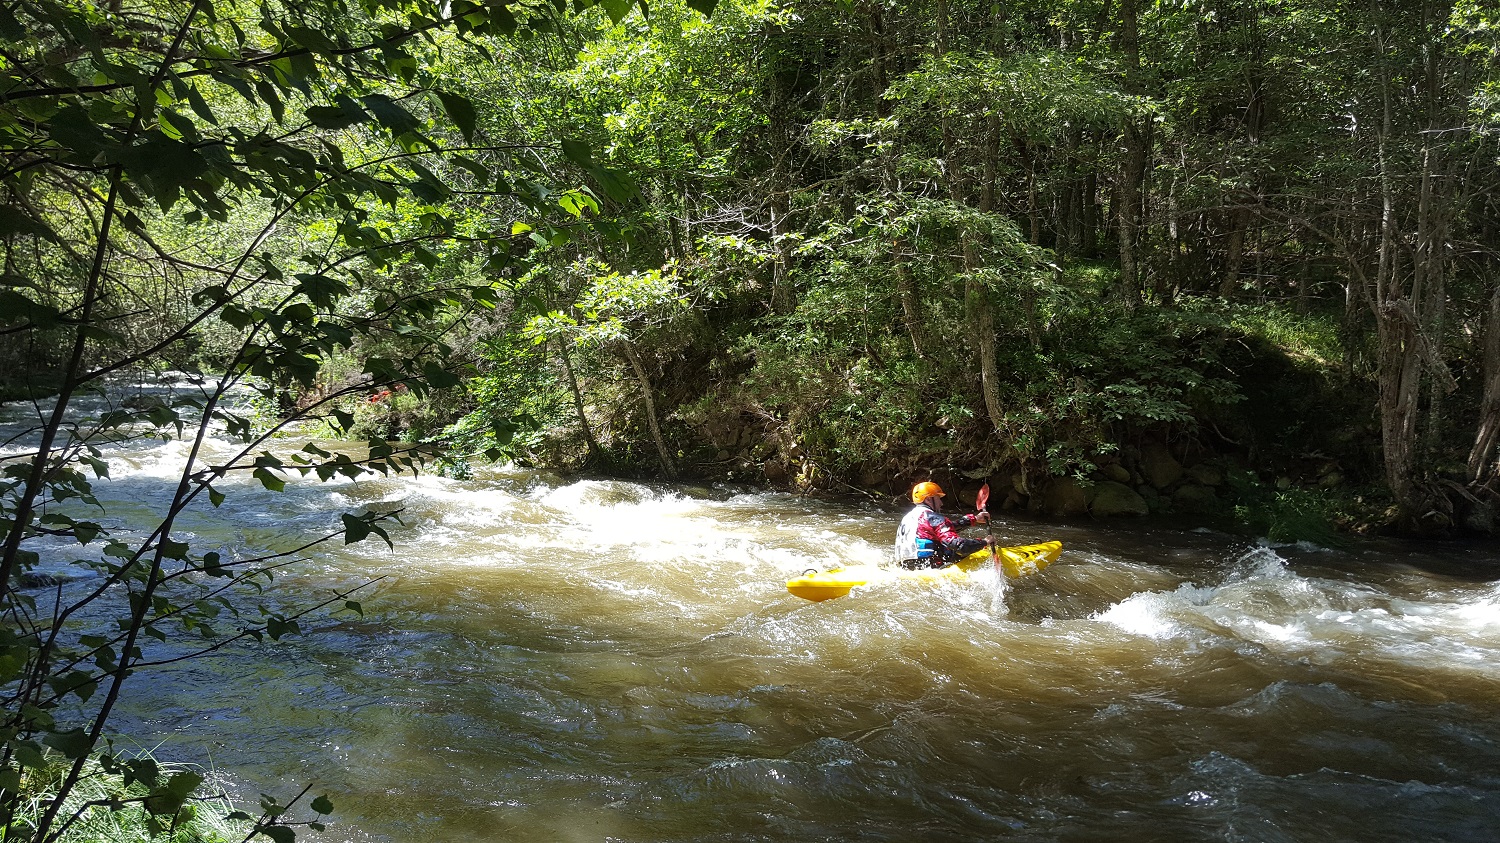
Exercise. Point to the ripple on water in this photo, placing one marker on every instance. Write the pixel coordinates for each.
(555, 659)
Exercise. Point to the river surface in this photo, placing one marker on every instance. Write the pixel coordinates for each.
(560, 659)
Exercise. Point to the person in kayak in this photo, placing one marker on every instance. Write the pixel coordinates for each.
(929, 539)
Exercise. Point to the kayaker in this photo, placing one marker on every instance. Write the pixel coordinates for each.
(929, 539)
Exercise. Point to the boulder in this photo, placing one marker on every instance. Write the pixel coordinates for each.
(1062, 497)
(1158, 466)
(1205, 474)
(1018, 483)
(1149, 494)
(1116, 472)
(1110, 499)
(1480, 517)
(775, 471)
(1194, 498)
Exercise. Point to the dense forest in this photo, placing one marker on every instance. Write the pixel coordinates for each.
(820, 245)
(1111, 257)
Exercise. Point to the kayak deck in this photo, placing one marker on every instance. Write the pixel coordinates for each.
(837, 582)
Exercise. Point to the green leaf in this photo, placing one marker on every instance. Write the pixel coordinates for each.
(86, 531)
(704, 6)
(79, 683)
(15, 304)
(321, 290)
(439, 377)
(174, 549)
(355, 528)
(578, 152)
(576, 202)
(73, 744)
(215, 496)
(617, 9)
(391, 114)
(311, 39)
(461, 112)
(330, 117)
(168, 799)
(502, 20)
(100, 467)
(343, 113)
(200, 105)
(269, 480)
(14, 220)
(272, 100)
(322, 805)
(10, 28)
(279, 833)
(143, 770)
(277, 627)
(616, 185)
(28, 754)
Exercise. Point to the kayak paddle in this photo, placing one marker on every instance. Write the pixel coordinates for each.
(980, 502)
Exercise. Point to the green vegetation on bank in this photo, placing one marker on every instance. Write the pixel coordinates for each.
(138, 799)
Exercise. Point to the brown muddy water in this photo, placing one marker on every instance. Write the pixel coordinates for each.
(556, 659)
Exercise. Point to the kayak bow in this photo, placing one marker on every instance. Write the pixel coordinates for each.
(837, 582)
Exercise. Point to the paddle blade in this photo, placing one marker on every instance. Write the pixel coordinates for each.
(984, 497)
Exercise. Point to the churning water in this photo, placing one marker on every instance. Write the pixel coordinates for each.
(545, 658)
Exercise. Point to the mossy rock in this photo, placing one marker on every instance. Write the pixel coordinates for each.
(1196, 499)
(1062, 497)
(1111, 499)
(1158, 466)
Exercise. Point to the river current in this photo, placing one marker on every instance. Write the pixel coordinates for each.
(562, 659)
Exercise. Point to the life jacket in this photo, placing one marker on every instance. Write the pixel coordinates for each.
(910, 546)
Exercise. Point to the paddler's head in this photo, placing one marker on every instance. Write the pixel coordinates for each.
(929, 493)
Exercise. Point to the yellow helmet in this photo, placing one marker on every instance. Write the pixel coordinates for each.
(924, 490)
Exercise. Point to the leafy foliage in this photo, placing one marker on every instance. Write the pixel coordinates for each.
(253, 189)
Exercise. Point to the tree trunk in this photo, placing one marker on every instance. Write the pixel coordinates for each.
(1088, 244)
(878, 60)
(583, 421)
(628, 350)
(1483, 466)
(1069, 199)
(782, 298)
(780, 136)
(1430, 293)
(1399, 366)
(976, 297)
(1235, 252)
(1132, 164)
(909, 296)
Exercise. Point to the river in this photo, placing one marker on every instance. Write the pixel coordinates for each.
(562, 659)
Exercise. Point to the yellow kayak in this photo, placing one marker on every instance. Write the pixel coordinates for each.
(1017, 562)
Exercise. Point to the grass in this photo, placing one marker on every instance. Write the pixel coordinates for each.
(1311, 338)
(111, 813)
